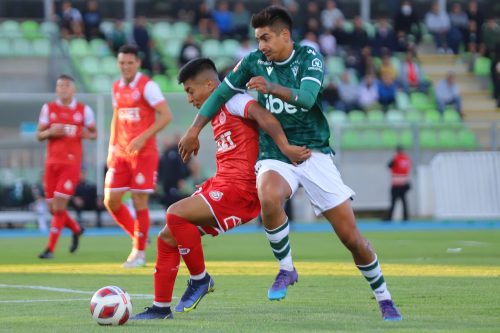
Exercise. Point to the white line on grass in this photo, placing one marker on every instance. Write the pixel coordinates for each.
(45, 300)
(63, 290)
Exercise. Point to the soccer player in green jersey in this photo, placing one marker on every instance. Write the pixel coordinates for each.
(288, 78)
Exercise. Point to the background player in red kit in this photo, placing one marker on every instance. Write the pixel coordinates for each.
(133, 154)
(64, 122)
(221, 203)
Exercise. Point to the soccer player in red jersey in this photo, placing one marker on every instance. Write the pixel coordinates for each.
(140, 111)
(224, 201)
(64, 123)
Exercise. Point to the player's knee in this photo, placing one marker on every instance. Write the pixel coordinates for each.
(140, 201)
(112, 204)
(355, 242)
(166, 236)
(270, 200)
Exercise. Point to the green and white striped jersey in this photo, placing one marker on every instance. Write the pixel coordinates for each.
(302, 127)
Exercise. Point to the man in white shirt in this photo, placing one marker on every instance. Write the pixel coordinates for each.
(447, 93)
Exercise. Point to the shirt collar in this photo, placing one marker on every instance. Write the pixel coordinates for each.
(284, 62)
(134, 81)
(71, 105)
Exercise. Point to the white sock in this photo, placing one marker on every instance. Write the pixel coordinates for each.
(373, 274)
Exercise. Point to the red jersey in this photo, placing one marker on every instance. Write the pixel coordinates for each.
(134, 104)
(400, 169)
(237, 140)
(75, 116)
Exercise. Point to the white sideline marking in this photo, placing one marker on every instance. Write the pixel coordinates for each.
(45, 300)
(62, 290)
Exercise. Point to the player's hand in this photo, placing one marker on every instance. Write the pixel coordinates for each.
(56, 131)
(297, 154)
(260, 84)
(135, 146)
(188, 145)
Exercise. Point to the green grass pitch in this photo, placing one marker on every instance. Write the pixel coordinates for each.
(442, 281)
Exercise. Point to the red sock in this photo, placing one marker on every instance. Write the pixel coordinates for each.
(56, 226)
(123, 218)
(167, 266)
(188, 240)
(71, 224)
(141, 229)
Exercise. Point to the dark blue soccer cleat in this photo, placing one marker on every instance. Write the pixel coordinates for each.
(389, 311)
(75, 240)
(195, 291)
(283, 280)
(154, 312)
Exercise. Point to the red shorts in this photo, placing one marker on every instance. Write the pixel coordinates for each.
(60, 180)
(132, 173)
(230, 205)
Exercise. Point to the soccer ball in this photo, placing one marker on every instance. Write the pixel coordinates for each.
(111, 305)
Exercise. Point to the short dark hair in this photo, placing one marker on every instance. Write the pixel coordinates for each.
(195, 67)
(129, 49)
(66, 77)
(275, 17)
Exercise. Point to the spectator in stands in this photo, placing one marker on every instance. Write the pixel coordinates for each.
(189, 50)
(342, 37)
(368, 93)
(348, 93)
(406, 21)
(312, 18)
(411, 76)
(327, 43)
(311, 40)
(172, 172)
(402, 43)
(475, 15)
(86, 199)
(330, 95)
(205, 22)
(71, 21)
(223, 19)
(245, 48)
(387, 68)
(299, 20)
(240, 17)
(330, 15)
(118, 38)
(92, 20)
(359, 37)
(447, 93)
(386, 91)
(400, 166)
(143, 42)
(459, 26)
(472, 42)
(438, 23)
(495, 73)
(490, 37)
(385, 40)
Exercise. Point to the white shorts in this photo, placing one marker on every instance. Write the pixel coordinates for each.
(318, 176)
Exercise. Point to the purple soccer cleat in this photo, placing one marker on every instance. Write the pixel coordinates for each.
(283, 280)
(389, 311)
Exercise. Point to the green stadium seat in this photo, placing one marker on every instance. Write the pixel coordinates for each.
(224, 62)
(181, 29)
(413, 116)
(10, 28)
(30, 29)
(172, 48)
(49, 28)
(350, 139)
(211, 48)
(376, 117)
(447, 139)
(109, 66)
(372, 138)
(99, 47)
(162, 30)
(90, 66)
(406, 138)
(432, 117)
(389, 138)
(230, 47)
(402, 101)
(394, 117)
(348, 26)
(41, 47)
(451, 118)
(370, 29)
(107, 28)
(482, 66)
(428, 139)
(356, 116)
(5, 47)
(396, 62)
(467, 139)
(336, 118)
(79, 47)
(22, 47)
(335, 66)
(421, 102)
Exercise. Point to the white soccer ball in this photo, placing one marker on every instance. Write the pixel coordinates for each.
(111, 305)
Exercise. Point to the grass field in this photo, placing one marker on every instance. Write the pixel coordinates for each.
(442, 281)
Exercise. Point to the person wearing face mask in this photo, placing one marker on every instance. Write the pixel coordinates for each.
(406, 20)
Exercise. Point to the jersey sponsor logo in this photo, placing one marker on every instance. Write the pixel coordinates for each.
(276, 105)
(224, 142)
(70, 130)
(237, 66)
(295, 70)
(68, 185)
(183, 251)
(216, 195)
(265, 63)
(222, 118)
(77, 117)
(269, 70)
(140, 179)
(130, 114)
(316, 65)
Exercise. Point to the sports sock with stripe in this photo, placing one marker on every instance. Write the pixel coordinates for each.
(373, 274)
(280, 244)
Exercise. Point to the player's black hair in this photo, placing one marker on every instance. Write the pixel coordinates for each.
(129, 49)
(195, 67)
(275, 17)
(66, 77)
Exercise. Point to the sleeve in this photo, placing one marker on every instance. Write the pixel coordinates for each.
(238, 105)
(240, 75)
(88, 116)
(152, 94)
(44, 115)
(218, 97)
(313, 67)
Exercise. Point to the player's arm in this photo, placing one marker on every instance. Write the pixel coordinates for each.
(45, 130)
(272, 127)
(89, 131)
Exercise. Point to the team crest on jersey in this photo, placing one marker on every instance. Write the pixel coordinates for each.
(295, 70)
(139, 179)
(68, 185)
(222, 118)
(316, 62)
(136, 95)
(77, 117)
(53, 116)
(216, 195)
